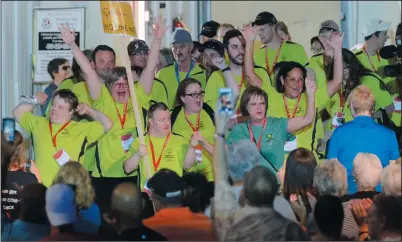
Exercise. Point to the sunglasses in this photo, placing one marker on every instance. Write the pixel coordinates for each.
(65, 68)
(196, 95)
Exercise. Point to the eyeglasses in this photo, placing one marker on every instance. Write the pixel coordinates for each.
(65, 68)
(196, 95)
(120, 85)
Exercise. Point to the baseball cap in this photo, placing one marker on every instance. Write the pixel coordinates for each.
(209, 29)
(136, 46)
(181, 36)
(376, 25)
(264, 18)
(198, 46)
(330, 24)
(166, 184)
(214, 45)
(60, 204)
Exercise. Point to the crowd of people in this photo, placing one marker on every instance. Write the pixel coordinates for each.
(309, 150)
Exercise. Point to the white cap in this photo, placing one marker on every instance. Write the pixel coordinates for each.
(376, 25)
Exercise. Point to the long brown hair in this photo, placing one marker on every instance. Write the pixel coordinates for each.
(17, 162)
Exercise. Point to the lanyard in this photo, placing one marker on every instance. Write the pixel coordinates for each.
(55, 136)
(341, 99)
(242, 80)
(124, 118)
(276, 59)
(195, 129)
(369, 59)
(176, 69)
(157, 163)
(295, 108)
(252, 134)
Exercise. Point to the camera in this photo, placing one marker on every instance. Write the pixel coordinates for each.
(392, 51)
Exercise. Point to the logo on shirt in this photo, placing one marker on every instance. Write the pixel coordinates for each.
(169, 155)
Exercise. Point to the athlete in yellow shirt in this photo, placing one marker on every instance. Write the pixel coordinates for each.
(274, 49)
(58, 139)
(165, 148)
(185, 66)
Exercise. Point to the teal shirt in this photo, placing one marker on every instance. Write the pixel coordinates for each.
(272, 142)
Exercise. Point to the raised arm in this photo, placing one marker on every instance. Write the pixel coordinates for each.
(92, 78)
(28, 105)
(231, 83)
(148, 75)
(297, 123)
(131, 164)
(96, 115)
(336, 43)
(249, 35)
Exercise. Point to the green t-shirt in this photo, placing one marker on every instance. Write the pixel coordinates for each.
(273, 139)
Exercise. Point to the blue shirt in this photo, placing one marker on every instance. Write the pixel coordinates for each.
(362, 134)
(49, 91)
(88, 220)
(24, 231)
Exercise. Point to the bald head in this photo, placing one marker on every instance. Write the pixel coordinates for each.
(126, 204)
(260, 187)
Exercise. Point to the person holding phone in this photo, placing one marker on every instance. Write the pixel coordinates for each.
(20, 172)
(58, 139)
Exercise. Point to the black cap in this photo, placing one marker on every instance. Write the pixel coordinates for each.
(214, 45)
(209, 29)
(265, 18)
(136, 46)
(198, 46)
(167, 184)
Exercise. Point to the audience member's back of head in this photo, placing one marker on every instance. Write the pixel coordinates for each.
(385, 216)
(328, 215)
(32, 204)
(391, 180)
(126, 203)
(260, 187)
(61, 208)
(199, 192)
(330, 178)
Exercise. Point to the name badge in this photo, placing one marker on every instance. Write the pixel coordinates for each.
(290, 145)
(126, 141)
(198, 154)
(397, 104)
(61, 157)
(338, 119)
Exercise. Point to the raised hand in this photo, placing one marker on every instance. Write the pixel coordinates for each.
(41, 97)
(67, 35)
(219, 62)
(359, 210)
(311, 86)
(197, 139)
(83, 109)
(159, 28)
(249, 32)
(299, 208)
(336, 41)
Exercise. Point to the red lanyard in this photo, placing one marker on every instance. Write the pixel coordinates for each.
(295, 108)
(369, 58)
(276, 59)
(252, 134)
(122, 119)
(242, 80)
(55, 136)
(157, 163)
(191, 124)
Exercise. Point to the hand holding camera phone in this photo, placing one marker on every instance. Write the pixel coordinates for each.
(8, 127)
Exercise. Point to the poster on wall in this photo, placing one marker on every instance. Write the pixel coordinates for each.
(48, 44)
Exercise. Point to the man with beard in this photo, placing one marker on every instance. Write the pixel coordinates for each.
(275, 49)
(184, 66)
(234, 44)
(210, 50)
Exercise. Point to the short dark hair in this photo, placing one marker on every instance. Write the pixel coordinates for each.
(299, 175)
(285, 68)
(102, 48)
(199, 192)
(328, 214)
(159, 106)
(230, 35)
(314, 39)
(181, 90)
(54, 65)
(247, 94)
(260, 187)
(68, 96)
(77, 69)
(377, 33)
(32, 204)
(388, 209)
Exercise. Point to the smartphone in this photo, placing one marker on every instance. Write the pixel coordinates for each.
(8, 128)
(225, 104)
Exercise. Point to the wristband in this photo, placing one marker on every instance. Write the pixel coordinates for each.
(29, 100)
(226, 69)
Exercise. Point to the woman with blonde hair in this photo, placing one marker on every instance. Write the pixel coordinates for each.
(88, 217)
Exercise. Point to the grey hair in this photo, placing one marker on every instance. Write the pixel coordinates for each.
(242, 156)
(391, 180)
(367, 170)
(114, 74)
(330, 178)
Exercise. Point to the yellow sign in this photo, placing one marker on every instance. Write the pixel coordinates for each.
(117, 18)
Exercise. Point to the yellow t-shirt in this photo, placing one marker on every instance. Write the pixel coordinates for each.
(162, 91)
(304, 137)
(376, 64)
(217, 81)
(81, 91)
(207, 130)
(167, 75)
(172, 157)
(289, 52)
(73, 139)
(110, 147)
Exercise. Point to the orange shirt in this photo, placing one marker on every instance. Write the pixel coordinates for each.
(180, 224)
